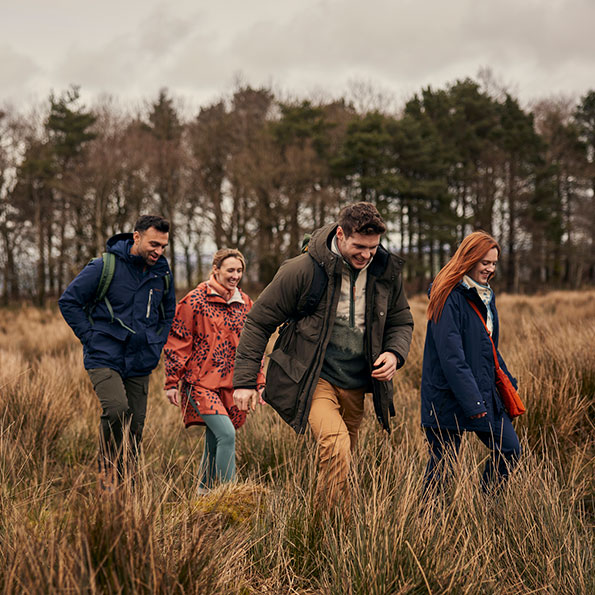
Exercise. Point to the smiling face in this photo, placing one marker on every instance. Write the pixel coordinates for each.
(229, 273)
(482, 272)
(149, 244)
(357, 249)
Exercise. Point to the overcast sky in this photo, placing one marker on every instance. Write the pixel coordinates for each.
(197, 49)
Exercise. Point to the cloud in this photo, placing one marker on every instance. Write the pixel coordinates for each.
(16, 69)
(404, 43)
(127, 62)
(198, 48)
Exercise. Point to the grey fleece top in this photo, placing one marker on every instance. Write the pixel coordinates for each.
(345, 363)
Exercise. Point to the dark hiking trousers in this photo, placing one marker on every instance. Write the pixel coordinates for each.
(502, 441)
(124, 406)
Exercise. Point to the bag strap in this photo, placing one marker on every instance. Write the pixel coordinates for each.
(316, 291)
(108, 266)
(488, 332)
(107, 274)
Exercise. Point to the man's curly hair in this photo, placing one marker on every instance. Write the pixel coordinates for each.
(361, 217)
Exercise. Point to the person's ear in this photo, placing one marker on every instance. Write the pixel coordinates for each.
(340, 233)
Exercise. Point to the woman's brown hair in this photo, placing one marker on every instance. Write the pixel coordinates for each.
(225, 253)
(472, 249)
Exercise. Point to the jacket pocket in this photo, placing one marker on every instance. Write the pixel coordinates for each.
(285, 376)
(105, 346)
(291, 366)
(114, 330)
(153, 351)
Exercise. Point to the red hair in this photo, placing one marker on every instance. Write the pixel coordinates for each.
(472, 249)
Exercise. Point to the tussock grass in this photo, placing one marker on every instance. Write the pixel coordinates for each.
(58, 533)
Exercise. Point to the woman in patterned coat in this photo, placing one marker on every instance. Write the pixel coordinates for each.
(199, 359)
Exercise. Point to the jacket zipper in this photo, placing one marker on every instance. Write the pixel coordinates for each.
(149, 303)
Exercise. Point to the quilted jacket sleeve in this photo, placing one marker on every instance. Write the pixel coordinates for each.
(277, 303)
(449, 345)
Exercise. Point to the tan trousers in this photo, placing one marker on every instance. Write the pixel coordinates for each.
(335, 418)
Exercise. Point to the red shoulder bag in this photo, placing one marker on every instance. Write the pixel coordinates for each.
(510, 397)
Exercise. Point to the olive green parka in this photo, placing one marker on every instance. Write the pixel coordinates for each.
(297, 357)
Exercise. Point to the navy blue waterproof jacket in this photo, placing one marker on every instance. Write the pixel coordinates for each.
(458, 373)
(135, 295)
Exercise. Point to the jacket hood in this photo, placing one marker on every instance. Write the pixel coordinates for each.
(120, 245)
(319, 245)
(319, 248)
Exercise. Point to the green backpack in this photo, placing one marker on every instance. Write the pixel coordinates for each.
(107, 274)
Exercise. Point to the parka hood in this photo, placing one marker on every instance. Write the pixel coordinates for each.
(319, 248)
(120, 245)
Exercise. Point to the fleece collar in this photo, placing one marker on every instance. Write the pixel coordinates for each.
(215, 288)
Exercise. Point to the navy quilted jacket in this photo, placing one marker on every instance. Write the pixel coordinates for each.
(135, 295)
(458, 373)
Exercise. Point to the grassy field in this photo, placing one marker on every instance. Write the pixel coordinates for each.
(58, 533)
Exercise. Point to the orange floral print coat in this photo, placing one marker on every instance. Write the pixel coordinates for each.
(200, 353)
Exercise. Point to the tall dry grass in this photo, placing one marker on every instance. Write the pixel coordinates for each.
(58, 533)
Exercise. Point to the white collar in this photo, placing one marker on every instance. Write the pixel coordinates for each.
(235, 297)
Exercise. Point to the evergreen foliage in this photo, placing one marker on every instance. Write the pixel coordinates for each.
(256, 172)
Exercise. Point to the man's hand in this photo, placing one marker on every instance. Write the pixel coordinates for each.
(172, 395)
(385, 366)
(245, 399)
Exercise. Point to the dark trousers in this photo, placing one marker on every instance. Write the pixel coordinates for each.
(444, 447)
(124, 407)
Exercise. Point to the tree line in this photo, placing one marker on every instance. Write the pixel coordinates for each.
(255, 171)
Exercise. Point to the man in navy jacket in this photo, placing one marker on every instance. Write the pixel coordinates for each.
(123, 334)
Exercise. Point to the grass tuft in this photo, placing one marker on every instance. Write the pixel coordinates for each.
(60, 533)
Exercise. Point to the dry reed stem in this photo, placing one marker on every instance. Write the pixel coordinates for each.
(59, 534)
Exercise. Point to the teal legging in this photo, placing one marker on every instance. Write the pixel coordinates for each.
(219, 458)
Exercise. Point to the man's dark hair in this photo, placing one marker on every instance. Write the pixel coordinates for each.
(361, 217)
(145, 221)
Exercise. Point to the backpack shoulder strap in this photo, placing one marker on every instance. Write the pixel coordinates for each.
(316, 291)
(107, 274)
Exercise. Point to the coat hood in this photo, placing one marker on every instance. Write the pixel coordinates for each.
(120, 245)
(319, 248)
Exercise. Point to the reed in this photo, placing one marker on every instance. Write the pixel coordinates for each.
(59, 533)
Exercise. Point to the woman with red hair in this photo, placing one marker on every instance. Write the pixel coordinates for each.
(458, 387)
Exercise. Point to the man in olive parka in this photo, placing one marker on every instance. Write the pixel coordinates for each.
(353, 342)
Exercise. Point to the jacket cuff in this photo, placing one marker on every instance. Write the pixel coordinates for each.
(400, 360)
(475, 409)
